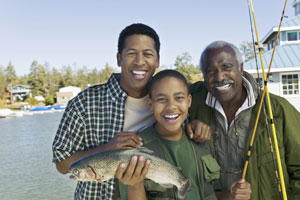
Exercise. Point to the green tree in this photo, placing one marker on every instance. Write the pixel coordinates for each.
(10, 73)
(37, 79)
(246, 48)
(68, 76)
(184, 66)
(81, 77)
(49, 100)
(105, 73)
(93, 77)
(3, 82)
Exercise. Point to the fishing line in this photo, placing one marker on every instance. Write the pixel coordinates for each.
(269, 107)
(259, 88)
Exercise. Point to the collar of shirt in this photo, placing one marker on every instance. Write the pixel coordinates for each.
(248, 103)
(114, 87)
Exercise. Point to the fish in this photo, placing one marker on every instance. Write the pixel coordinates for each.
(102, 166)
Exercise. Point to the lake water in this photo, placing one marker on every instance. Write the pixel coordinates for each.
(26, 168)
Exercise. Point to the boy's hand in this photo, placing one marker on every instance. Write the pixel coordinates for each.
(135, 172)
(240, 190)
(198, 131)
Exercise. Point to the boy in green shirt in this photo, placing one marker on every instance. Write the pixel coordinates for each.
(169, 99)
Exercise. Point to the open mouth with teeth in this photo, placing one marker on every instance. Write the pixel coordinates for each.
(171, 118)
(139, 74)
(223, 87)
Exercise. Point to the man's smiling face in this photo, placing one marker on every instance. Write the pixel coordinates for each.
(138, 61)
(223, 74)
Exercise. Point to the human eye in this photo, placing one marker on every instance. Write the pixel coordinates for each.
(131, 53)
(227, 67)
(209, 71)
(148, 54)
(161, 100)
(179, 98)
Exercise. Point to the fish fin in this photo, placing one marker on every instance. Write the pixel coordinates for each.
(165, 185)
(184, 189)
(99, 180)
(145, 150)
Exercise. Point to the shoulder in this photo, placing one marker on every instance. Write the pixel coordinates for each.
(281, 104)
(197, 87)
(89, 93)
(148, 134)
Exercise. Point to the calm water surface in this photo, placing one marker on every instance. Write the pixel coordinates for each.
(26, 168)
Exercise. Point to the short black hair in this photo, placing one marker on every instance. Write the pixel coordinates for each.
(139, 29)
(166, 73)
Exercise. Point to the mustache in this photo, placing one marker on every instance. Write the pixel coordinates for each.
(217, 84)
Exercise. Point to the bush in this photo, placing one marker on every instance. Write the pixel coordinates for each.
(49, 100)
(32, 101)
(1, 103)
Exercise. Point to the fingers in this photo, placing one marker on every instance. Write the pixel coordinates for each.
(240, 189)
(135, 172)
(201, 131)
(130, 170)
(120, 171)
(126, 139)
(189, 130)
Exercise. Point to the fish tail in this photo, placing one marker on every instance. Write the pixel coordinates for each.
(184, 189)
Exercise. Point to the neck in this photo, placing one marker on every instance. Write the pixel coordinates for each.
(135, 93)
(230, 108)
(169, 135)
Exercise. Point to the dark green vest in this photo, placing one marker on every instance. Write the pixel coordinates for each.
(208, 170)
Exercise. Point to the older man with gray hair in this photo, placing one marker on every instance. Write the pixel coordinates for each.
(228, 101)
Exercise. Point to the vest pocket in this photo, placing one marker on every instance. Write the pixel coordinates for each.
(211, 168)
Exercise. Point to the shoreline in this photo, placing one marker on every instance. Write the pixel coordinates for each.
(9, 113)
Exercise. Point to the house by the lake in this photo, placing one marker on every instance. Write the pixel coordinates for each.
(65, 94)
(284, 79)
(20, 92)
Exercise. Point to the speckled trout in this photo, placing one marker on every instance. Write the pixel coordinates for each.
(102, 166)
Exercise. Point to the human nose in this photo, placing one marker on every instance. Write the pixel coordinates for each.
(140, 60)
(171, 105)
(219, 76)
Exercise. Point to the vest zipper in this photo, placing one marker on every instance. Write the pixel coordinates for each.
(227, 158)
(197, 170)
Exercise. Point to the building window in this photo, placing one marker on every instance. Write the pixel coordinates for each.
(292, 36)
(290, 84)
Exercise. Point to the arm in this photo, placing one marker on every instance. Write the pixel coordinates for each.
(291, 141)
(134, 176)
(198, 131)
(137, 192)
(120, 140)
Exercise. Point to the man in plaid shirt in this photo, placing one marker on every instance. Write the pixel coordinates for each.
(107, 116)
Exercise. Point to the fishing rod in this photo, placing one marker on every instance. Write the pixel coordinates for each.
(259, 88)
(281, 189)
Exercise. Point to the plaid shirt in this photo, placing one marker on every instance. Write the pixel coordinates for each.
(91, 119)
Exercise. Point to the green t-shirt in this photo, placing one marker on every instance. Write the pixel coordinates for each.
(180, 154)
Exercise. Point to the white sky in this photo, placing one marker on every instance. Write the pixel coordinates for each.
(78, 33)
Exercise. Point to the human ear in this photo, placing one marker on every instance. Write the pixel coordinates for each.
(149, 103)
(242, 67)
(157, 62)
(119, 59)
(189, 100)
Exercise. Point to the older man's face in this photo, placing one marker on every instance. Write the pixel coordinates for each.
(222, 74)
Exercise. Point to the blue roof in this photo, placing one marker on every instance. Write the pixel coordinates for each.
(285, 56)
(294, 21)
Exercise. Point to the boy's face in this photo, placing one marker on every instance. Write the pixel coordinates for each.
(170, 102)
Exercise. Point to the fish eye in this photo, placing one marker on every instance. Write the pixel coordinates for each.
(75, 171)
